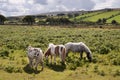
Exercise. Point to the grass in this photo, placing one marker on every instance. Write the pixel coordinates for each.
(86, 15)
(117, 18)
(102, 42)
(101, 16)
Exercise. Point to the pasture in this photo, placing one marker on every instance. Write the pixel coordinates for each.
(104, 44)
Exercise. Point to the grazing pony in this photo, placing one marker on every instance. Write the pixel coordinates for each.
(56, 50)
(35, 54)
(78, 47)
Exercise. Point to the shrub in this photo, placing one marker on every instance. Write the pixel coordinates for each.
(23, 61)
(72, 66)
(18, 70)
(114, 58)
(117, 73)
(95, 59)
(115, 61)
(12, 58)
(9, 68)
(114, 22)
(104, 50)
(96, 68)
(4, 53)
(102, 73)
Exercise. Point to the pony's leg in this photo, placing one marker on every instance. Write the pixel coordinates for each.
(42, 65)
(51, 59)
(63, 59)
(54, 59)
(81, 55)
(36, 64)
(30, 62)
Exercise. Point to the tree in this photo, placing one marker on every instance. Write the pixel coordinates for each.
(29, 20)
(99, 21)
(2, 19)
(76, 14)
(104, 20)
(114, 22)
(70, 15)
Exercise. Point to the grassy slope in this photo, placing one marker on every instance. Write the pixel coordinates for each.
(117, 18)
(100, 16)
(94, 16)
(17, 36)
(85, 15)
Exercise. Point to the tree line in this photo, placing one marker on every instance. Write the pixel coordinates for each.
(30, 20)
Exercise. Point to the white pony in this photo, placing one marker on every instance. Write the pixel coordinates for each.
(56, 50)
(78, 47)
(35, 54)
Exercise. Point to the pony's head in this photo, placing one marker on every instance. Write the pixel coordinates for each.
(89, 56)
(47, 53)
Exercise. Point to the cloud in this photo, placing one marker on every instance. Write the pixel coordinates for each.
(24, 7)
(79, 4)
(106, 4)
(43, 2)
(16, 2)
(115, 4)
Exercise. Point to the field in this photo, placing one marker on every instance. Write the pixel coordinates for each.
(100, 16)
(117, 18)
(104, 44)
(96, 15)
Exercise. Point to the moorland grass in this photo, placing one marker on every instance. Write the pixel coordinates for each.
(104, 44)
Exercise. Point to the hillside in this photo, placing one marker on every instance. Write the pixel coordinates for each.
(94, 16)
(117, 18)
(75, 16)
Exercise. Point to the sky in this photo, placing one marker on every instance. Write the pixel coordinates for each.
(27, 7)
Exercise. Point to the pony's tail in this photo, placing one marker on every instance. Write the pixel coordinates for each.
(63, 54)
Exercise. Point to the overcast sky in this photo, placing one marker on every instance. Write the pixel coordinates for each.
(25, 7)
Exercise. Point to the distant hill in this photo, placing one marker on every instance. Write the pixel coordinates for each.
(88, 16)
(94, 16)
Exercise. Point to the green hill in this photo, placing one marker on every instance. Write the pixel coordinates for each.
(86, 15)
(117, 18)
(77, 16)
(93, 16)
(101, 16)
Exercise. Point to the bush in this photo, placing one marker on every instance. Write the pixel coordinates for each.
(114, 22)
(117, 73)
(23, 61)
(18, 70)
(104, 50)
(95, 59)
(96, 68)
(114, 58)
(4, 53)
(9, 68)
(102, 73)
(56, 21)
(72, 66)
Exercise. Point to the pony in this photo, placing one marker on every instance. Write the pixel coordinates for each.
(35, 54)
(78, 47)
(56, 50)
